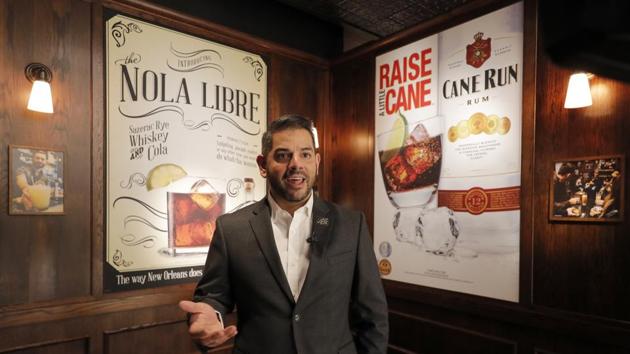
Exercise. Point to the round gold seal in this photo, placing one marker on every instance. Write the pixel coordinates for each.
(477, 123)
(462, 129)
(476, 201)
(491, 124)
(504, 126)
(452, 134)
(384, 266)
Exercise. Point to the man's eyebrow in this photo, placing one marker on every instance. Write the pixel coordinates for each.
(281, 149)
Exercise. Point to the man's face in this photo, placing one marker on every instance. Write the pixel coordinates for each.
(39, 160)
(291, 167)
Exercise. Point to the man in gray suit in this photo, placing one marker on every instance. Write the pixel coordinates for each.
(300, 271)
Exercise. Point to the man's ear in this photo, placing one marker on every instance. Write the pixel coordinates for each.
(262, 165)
(317, 161)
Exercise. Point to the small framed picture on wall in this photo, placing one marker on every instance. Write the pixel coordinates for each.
(588, 189)
(36, 184)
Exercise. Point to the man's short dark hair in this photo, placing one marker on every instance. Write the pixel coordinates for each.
(289, 121)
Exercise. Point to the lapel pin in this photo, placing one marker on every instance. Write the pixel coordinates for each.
(322, 221)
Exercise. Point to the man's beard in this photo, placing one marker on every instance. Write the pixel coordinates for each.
(280, 190)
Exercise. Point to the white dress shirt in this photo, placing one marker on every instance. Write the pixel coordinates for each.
(290, 234)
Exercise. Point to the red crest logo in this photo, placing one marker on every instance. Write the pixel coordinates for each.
(478, 52)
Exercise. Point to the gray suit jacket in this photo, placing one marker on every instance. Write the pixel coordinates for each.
(342, 306)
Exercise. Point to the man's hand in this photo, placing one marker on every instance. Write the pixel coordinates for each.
(26, 199)
(204, 326)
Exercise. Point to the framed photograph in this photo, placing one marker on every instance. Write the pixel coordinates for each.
(588, 189)
(36, 184)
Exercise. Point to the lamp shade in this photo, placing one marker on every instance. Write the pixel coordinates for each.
(315, 137)
(41, 97)
(578, 92)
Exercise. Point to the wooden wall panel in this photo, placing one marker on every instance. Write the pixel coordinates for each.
(580, 267)
(77, 346)
(296, 89)
(151, 338)
(46, 257)
(302, 88)
(426, 336)
(352, 139)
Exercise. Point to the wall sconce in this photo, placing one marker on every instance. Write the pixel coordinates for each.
(315, 137)
(40, 99)
(579, 91)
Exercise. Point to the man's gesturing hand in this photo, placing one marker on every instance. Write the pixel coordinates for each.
(204, 327)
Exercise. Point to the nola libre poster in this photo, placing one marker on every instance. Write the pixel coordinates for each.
(448, 157)
(184, 121)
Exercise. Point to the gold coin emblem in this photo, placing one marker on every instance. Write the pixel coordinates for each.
(452, 134)
(477, 123)
(385, 267)
(504, 126)
(462, 129)
(491, 124)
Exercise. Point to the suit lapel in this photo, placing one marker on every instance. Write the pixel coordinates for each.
(261, 226)
(323, 221)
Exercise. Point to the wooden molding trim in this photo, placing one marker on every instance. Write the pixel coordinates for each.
(457, 328)
(540, 317)
(142, 326)
(83, 307)
(41, 345)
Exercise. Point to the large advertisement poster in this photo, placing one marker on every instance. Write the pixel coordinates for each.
(184, 122)
(448, 158)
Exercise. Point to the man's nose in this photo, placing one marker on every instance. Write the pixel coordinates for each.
(295, 162)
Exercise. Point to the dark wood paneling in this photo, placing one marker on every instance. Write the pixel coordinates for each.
(426, 336)
(98, 149)
(47, 257)
(352, 139)
(78, 346)
(579, 267)
(95, 326)
(302, 89)
(296, 88)
(151, 338)
(528, 142)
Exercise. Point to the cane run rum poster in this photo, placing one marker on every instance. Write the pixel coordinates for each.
(448, 158)
(184, 122)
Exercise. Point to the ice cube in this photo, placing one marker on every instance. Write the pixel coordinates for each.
(405, 221)
(438, 229)
(418, 134)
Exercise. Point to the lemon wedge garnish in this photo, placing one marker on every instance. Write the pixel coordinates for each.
(163, 175)
(399, 133)
(395, 138)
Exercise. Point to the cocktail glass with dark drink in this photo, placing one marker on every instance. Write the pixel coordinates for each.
(192, 218)
(192, 214)
(411, 163)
